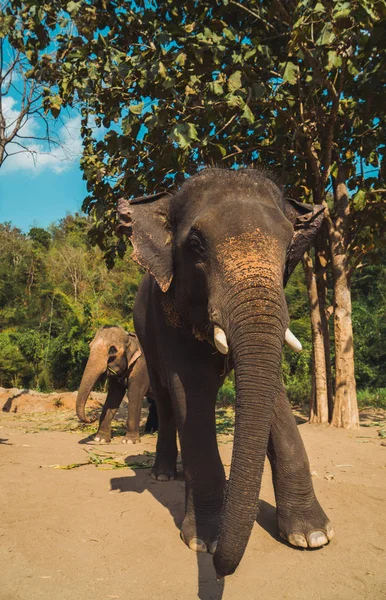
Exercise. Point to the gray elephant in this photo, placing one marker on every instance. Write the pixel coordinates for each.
(218, 253)
(118, 354)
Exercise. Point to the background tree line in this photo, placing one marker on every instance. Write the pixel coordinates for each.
(297, 86)
(55, 292)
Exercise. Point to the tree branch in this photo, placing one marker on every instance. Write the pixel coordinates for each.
(330, 127)
(313, 63)
(251, 12)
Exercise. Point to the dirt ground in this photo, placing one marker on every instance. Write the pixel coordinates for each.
(105, 530)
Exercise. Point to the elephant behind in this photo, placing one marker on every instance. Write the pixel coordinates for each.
(117, 354)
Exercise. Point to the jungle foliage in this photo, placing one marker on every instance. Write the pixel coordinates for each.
(55, 292)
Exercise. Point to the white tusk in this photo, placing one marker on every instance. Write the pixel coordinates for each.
(292, 341)
(220, 340)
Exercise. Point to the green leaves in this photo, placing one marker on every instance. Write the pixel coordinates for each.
(359, 200)
(136, 109)
(73, 8)
(291, 73)
(216, 88)
(53, 104)
(248, 114)
(183, 134)
(234, 81)
(327, 35)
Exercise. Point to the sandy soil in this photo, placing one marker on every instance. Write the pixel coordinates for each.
(98, 532)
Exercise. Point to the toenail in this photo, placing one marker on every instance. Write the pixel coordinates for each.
(297, 539)
(213, 547)
(330, 531)
(317, 539)
(197, 545)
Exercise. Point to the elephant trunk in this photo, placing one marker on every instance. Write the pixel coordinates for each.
(95, 367)
(257, 320)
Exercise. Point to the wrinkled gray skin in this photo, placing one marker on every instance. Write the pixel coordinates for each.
(117, 353)
(218, 252)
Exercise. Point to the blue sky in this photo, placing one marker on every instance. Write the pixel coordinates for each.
(44, 183)
(37, 199)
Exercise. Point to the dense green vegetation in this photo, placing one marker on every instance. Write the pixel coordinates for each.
(55, 291)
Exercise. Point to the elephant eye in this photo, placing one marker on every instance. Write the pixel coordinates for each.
(112, 350)
(196, 243)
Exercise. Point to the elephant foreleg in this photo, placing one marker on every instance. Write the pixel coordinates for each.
(194, 393)
(114, 398)
(137, 387)
(301, 520)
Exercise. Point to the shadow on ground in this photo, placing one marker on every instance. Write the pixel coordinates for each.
(171, 495)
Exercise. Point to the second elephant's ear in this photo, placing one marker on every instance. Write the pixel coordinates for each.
(306, 220)
(133, 350)
(146, 221)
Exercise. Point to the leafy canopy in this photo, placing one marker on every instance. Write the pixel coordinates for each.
(167, 87)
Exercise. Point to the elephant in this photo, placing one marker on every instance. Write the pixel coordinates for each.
(118, 354)
(218, 252)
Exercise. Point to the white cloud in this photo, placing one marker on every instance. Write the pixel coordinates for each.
(39, 155)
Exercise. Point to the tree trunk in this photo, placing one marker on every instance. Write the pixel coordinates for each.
(319, 396)
(345, 408)
(322, 258)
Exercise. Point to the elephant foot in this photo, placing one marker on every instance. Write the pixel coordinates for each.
(130, 439)
(310, 529)
(101, 438)
(163, 472)
(200, 536)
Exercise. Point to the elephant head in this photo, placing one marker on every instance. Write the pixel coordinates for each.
(112, 351)
(223, 247)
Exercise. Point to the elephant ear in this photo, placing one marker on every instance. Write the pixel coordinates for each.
(146, 221)
(133, 350)
(306, 220)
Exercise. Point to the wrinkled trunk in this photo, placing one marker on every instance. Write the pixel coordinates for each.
(96, 365)
(256, 325)
(319, 396)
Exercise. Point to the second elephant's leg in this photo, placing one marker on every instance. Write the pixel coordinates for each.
(113, 401)
(138, 385)
(301, 520)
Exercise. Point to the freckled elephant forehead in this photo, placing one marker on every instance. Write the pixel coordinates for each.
(250, 254)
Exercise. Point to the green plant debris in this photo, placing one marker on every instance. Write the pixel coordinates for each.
(109, 459)
(225, 420)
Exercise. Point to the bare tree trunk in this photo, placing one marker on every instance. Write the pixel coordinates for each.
(345, 408)
(322, 258)
(319, 395)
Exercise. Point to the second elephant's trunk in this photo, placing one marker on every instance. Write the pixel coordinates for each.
(96, 366)
(257, 321)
